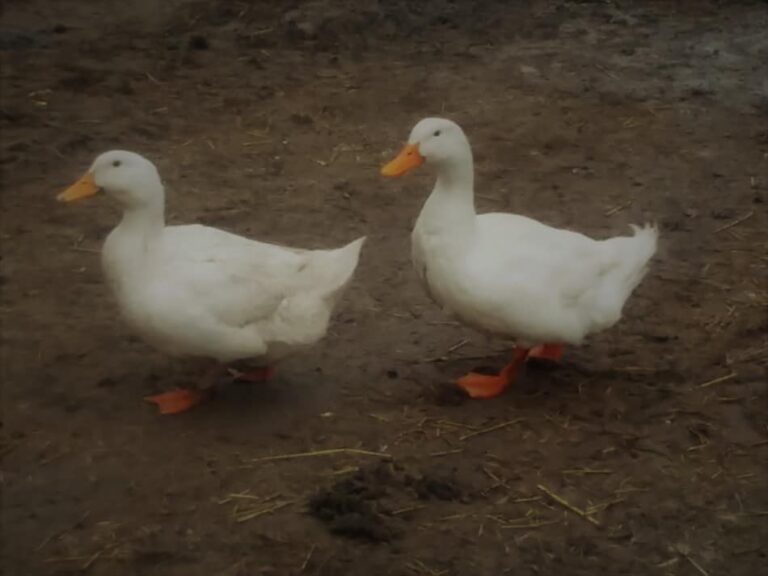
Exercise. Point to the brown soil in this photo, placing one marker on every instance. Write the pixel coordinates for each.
(270, 119)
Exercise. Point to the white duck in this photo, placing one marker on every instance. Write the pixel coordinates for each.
(507, 274)
(201, 292)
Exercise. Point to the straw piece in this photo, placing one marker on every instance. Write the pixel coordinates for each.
(251, 514)
(491, 429)
(563, 502)
(746, 216)
(328, 452)
(308, 558)
(718, 380)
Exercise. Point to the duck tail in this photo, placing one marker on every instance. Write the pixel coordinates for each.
(333, 269)
(639, 250)
(630, 255)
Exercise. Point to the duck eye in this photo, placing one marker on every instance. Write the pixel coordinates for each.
(116, 163)
(436, 134)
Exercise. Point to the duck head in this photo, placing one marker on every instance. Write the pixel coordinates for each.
(127, 177)
(436, 141)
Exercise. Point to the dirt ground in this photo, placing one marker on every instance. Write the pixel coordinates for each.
(271, 119)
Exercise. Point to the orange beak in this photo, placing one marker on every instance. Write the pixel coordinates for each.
(83, 188)
(408, 159)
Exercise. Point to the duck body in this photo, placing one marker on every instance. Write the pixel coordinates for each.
(512, 276)
(507, 274)
(201, 292)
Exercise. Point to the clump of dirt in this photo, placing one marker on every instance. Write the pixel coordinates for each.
(352, 507)
(436, 488)
(371, 504)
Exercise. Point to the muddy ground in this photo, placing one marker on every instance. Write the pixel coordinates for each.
(271, 119)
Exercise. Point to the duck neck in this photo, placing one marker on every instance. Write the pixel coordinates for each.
(452, 202)
(130, 244)
(144, 221)
(456, 182)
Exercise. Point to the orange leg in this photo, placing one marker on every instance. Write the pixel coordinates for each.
(551, 352)
(256, 376)
(487, 386)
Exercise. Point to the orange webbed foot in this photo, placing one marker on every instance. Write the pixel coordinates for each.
(549, 352)
(483, 385)
(177, 401)
(489, 386)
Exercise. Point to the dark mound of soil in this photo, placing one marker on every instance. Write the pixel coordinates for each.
(371, 504)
